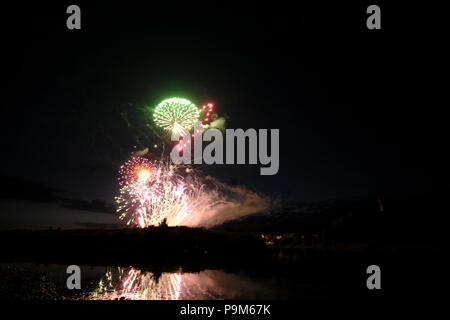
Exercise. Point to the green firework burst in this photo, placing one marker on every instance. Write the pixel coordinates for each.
(176, 114)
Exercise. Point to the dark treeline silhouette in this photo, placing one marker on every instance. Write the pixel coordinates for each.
(153, 245)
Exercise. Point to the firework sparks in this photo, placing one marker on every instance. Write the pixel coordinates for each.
(130, 283)
(137, 188)
(135, 169)
(153, 191)
(176, 115)
(205, 112)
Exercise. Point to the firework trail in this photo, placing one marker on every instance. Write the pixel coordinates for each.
(205, 113)
(153, 191)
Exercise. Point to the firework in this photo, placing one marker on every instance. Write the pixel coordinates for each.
(138, 187)
(205, 112)
(135, 169)
(176, 115)
(151, 192)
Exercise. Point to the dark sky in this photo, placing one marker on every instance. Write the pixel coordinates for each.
(344, 98)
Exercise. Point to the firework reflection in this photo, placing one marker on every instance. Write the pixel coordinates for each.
(133, 284)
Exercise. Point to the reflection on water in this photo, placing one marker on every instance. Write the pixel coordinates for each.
(38, 281)
(131, 283)
(134, 284)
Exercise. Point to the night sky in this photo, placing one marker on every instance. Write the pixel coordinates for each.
(344, 98)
